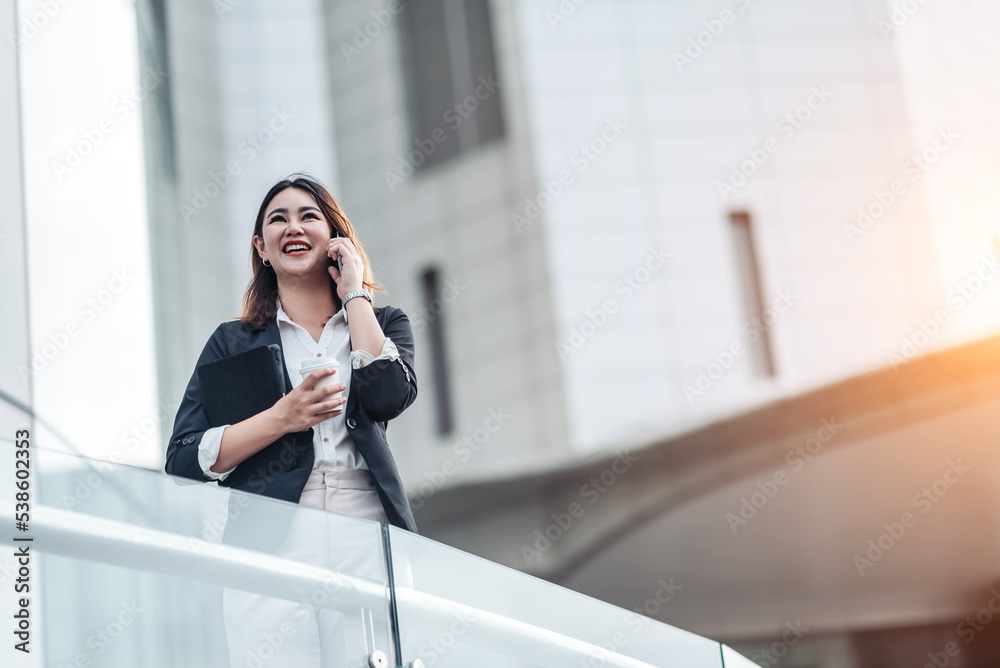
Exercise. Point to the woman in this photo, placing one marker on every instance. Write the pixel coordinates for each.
(300, 450)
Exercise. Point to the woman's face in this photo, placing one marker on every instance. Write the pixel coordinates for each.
(295, 235)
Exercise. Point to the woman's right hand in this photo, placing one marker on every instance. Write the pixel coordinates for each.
(303, 407)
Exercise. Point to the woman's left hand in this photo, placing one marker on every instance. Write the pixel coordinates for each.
(351, 274)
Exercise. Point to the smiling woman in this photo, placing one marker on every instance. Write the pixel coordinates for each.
(310, 447)
(317, 218)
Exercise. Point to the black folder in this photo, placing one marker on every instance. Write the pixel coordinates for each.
(240, 386)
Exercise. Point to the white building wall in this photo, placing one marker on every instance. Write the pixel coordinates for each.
(942, 50)
(690, 123)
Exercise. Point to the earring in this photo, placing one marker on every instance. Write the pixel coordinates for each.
(266, 263)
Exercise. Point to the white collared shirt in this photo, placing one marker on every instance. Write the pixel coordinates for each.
(333, 444)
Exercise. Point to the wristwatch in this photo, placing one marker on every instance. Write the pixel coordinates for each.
(357, 293)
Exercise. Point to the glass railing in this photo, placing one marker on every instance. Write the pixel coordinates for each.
(456, 609)
(135, 567)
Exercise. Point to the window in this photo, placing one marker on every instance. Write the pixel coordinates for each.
(451, 78)
(434, 306)
(753, 293)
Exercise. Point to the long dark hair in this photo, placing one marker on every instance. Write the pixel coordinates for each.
(260, 301)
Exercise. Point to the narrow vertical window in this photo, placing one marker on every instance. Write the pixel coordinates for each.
(753, 292)
(434, 307)
(480, 77)
(452, 90)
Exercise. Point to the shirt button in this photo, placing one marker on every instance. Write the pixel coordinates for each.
(351, 423)
(326, 439)
(319, 354)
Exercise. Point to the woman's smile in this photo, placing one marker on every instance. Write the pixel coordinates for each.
(295, 247)
(296, 229)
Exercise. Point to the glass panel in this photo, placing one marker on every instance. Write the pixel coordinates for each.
(172, 571)
(91, 320)
(455, 609)
(733, 659)
(15, 353)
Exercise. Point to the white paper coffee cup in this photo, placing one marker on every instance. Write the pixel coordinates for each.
(316, 363)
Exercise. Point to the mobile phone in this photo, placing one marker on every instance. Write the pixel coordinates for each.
(335, 263)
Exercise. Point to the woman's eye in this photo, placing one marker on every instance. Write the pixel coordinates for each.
(276, 219)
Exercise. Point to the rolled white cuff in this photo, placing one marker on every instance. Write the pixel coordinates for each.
(359, 358)
(208, 452)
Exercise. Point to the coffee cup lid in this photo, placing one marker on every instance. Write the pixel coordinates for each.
(318, 363)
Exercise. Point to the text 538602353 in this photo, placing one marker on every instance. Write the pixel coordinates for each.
(22, 553)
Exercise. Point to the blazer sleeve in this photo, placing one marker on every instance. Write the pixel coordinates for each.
(191, 423)
(386, 387)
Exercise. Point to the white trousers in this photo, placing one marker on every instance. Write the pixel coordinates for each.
(265, 632)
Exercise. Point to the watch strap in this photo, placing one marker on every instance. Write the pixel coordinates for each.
(357, 293)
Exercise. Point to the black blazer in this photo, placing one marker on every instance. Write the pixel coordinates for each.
(380, 391)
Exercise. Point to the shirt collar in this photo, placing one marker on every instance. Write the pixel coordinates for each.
(281, 315)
